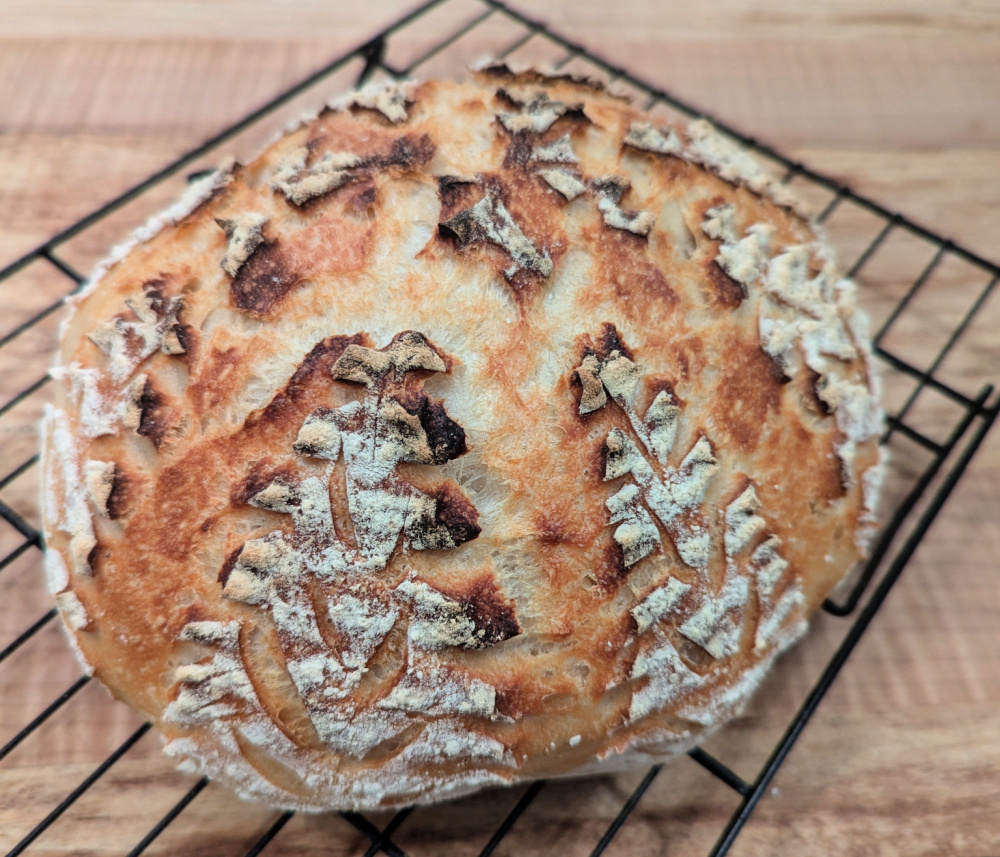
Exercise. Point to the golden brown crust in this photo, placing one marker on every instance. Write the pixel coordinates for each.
(470, 434)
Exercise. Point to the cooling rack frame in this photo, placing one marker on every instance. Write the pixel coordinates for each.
(917, 510)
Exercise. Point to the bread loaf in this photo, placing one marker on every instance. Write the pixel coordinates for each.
(472, 433)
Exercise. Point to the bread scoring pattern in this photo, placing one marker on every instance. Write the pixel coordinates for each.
(712, 618)
(330, 610)
(802, 320)
(488, 220)
(155, 328)
(487, 538)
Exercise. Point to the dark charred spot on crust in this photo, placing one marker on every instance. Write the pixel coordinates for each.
(154, 291)
(229, 564)
(492, 613)
(505, 98)
(160, 291)
(164, 286)
(485, 605)
(216, 192)
(576, 115)
(409, 151)
(810, 393)
(499, 70)
(601, 347)
(462, 228)
(610, 570)
(93, 558)
(262, 474)
(603, 456)
(456, 193)
(456, 513)
(132, 340)
(613, 187)
(774, 371)
(607, 340)
(118, 498)
(519, 151)
(726, 291)
(574, 112)
(154, 415)
(576, 387)
(445, 437)
(187, 336)
(515, 701)
(510, 101)
(403, 153)
(534, 212)
(264, 279)
(318, 363)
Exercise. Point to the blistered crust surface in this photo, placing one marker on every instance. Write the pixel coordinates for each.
(472, 433)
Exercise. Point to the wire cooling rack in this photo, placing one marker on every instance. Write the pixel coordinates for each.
(940, 409)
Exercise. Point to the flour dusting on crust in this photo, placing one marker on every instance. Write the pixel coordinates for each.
(473, 432)
(803, 318)
(245, 233)
(389, 98)
(489, 220)
(300, 183)
(676, 497)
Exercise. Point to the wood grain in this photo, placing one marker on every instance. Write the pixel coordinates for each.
(897, 98)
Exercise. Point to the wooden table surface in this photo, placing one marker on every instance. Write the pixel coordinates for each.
(899, 99)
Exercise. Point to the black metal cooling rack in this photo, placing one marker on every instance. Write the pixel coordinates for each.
(924, 497)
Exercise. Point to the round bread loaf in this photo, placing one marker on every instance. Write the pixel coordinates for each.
(470, 434)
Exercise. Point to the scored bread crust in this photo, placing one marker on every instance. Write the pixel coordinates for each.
(472, 433)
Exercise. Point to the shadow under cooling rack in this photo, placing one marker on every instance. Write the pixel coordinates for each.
(943, 436)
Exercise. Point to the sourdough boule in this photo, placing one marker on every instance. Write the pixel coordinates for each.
(472, 433)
